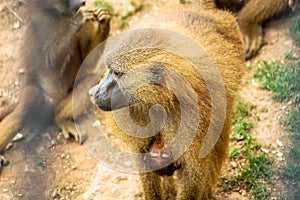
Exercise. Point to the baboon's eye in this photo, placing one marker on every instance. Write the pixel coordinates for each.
(76, 6)
(118, 74)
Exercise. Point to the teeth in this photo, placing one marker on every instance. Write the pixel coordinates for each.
(154, 154)
(165, 155)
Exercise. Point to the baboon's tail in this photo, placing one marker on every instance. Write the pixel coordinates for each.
(14, 120)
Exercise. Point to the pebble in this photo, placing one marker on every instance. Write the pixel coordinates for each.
(243, 192)
(9, 146)
(279, 143)
(279, 154)
(17, 25)
(254, 83)
(18, 137)
(17, 83)
(22, 71)
(233, 164)
(1, 8)
(289, 42)
(5, 190)
(265, 150)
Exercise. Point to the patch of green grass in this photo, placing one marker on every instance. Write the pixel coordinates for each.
(292, 122)
(282, 79)
(291, 170)
(288, 54)
(295, 32)
(256, 174)
(77, 193)
(42, 163)
(127, 13)
(104, 4)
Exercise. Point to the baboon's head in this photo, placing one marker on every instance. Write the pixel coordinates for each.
(68, 7)
(125, 86)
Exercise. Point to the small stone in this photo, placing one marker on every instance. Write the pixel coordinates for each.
(5, 190)
(265, 150)
(17, 83)
(17, 25)
(22, 71)
(254, 83)
(243, 192)
(13, 182)
(279, 143)
(279, 154)
(233, 164)
(9, 146)
(74, 167)
(18, 137)
(1, 8)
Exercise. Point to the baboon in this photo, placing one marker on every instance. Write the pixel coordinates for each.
(59, 36)
(252, 14)
(142, 74)
(232, 5)
(250, 20)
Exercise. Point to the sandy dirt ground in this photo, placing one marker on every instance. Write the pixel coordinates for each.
(43, 165)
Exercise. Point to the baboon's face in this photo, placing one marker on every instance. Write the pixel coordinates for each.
(107, 94)
(68, 7)
(119, 89)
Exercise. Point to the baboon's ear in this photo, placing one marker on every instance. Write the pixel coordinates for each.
(157, 76)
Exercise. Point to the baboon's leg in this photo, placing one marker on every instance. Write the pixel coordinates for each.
(69, 107)
(250, 20)
(31, 97)
(151, 186)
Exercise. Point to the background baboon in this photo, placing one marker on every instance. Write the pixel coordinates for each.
(251, 16)
(123, 89)
(232, 5)
(250, 20)
(58, 38)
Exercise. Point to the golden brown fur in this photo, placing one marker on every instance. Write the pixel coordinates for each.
(59, 36)
(251, 15)
(217, 33)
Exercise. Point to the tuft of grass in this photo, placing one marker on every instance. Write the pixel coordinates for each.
(292, 122)
(282, 79)
(288, 54)
(256, 174)
(127, 13)
(295, 32)
(291, 170)
(104, 4)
